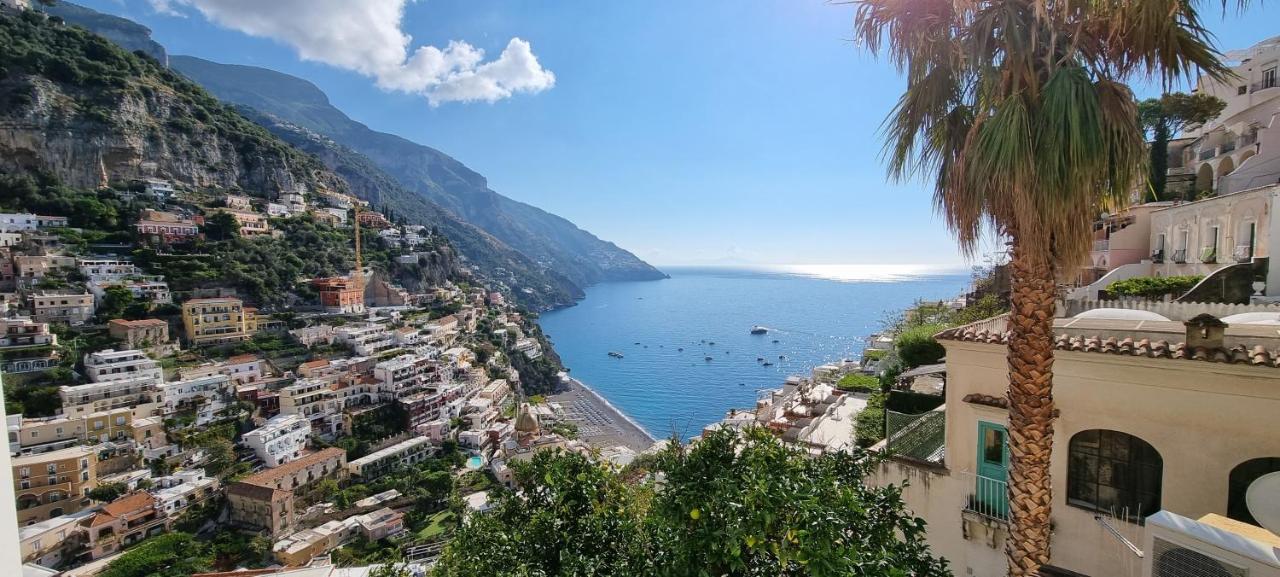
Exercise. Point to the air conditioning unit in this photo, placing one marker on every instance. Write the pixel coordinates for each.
(1212, 546)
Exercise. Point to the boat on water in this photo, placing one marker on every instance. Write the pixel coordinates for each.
(767, 364)
(615, 354)
(706, 358)
(775, 341)
(681, 350)
(759, 330)
(758, 359)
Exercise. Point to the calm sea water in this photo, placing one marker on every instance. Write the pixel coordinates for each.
(817, 315)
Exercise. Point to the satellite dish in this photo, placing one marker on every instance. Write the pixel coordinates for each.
(1263, 500)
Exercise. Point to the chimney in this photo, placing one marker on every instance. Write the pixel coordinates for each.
(1205, 330)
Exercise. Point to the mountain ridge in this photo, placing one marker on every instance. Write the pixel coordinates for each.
(545, 237)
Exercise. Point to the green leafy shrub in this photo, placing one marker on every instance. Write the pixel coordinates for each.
(1153, 287)
(859, 383)
(733, 504)
(868, 429)
(916, 346)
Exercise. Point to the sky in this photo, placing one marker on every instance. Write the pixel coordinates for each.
(706, 132)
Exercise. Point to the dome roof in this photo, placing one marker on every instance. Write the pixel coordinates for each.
(527, 422)
(1253, 319)
(1121, 315)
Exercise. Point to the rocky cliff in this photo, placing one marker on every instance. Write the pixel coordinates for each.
(78, 107)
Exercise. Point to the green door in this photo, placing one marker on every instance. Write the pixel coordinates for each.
(991, 495)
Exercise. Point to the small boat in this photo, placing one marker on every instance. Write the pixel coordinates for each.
(758, 359)
(712, 343)
(775, 341)
(758, 330)
(767, 364)
(615, 354)
(706, 358)
(782, 357)
(680, 350)
(637, 342)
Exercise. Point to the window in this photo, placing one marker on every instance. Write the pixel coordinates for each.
(1269, 77)
(1238, 484)
(1114, 472)
(1240, 90)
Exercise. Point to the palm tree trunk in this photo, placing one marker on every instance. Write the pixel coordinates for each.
(1031, 416)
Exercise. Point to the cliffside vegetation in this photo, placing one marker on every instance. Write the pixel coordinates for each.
(77, 105)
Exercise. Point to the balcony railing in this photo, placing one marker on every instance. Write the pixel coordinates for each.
(1101, 245)
(989, 497)
(1265, 84)
(1248, 139)
(1157, 256)
(1244, 253)
(1227, 146)
(1207, 153)
(1180, 256)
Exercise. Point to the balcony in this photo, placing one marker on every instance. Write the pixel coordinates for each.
(1180, 256)
(1207, 154)
(1249, 139)
(1209, 255)
(1157, 256)
(1243, 253)
(1101, 245)
(989, 498)
(1227, 146)
(1265, 84)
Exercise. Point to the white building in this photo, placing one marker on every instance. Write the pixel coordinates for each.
(26, 221)
(112, 365)
(20, 332)
(204, 396)
(175, 493)
(404, 375)
(241, 369)
(280, 440)
(403, 454)
(1240, 149)
(367, 339)
(107, 268)
(314, 400)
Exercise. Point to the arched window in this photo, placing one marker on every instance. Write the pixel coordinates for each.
(1115, 473)
(1238, 484)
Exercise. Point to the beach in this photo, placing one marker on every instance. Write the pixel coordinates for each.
(599, 423)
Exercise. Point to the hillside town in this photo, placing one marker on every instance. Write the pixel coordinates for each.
(137, 411)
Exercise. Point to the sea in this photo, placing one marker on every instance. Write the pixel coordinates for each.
(688, 355)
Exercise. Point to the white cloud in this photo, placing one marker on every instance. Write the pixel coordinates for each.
(365, 36)
(165, 7)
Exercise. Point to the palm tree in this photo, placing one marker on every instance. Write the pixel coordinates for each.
(1018, 112)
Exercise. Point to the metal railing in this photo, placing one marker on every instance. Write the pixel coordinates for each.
(1101, 245)
(1265, 84)
(916, 436)
(988, 498)
(1227, 146)
(1180, 256)
(1248, 139)
(1157, 256)
(1207, 153)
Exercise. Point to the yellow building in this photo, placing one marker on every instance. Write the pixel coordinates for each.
(1162, 429)
(218, 320)
(51, 484)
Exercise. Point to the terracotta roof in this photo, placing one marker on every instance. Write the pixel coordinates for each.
(1258, 356)
(252, 491)
(240, 359)
(138, 323)
(270, 476)
(124, 505)
(314, 364)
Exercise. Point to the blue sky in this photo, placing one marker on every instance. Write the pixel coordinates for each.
(715, 131)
